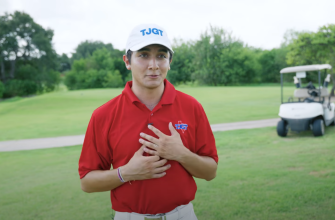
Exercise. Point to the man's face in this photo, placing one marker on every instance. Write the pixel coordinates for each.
(149, 66)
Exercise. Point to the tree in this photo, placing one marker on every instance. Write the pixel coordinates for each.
(86, 49)
(64, 63)
(182, 65)
(221, 60)
(272, 61)
(96, 71)
(312, 48)
(2, 89)
(24, 43)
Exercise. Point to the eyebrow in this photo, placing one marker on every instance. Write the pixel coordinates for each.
(159, 50)
(144, 49)
(163, 50)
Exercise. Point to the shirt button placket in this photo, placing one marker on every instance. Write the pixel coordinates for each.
(150, 119)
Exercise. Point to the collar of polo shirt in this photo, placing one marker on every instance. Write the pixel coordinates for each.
(167, 98)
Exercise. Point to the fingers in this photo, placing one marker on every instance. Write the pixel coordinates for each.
(157, 168)
(160, 163)
(149, 138)
(153, 158)
(156, 131)
(172, 129)
(162, 169)
(140, 150)
(156, 176)
(152, 152)
(148, 144)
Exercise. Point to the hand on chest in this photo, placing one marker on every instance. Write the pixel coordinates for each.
(125, 138)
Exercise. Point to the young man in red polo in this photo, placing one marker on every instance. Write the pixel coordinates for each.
(155, 137)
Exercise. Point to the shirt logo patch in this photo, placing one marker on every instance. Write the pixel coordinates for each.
(181, 126)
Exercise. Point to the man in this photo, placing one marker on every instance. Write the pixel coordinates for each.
(155, 138)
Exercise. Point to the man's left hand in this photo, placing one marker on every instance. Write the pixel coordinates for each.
(168, 147)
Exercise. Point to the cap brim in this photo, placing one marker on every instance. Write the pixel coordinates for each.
(144, 44)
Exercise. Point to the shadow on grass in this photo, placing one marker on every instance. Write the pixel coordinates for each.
(303, 134)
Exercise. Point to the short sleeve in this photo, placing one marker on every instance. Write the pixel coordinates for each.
(205, 141)
(96, 153)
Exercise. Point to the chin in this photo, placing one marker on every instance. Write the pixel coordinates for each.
(153, 85)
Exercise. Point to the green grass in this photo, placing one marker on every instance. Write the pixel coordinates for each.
(260, 176)
(68, 112)
(263, 176)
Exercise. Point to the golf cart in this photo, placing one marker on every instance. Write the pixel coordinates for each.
(310, 108)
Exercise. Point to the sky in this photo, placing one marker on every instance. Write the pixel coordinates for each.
(258, 23)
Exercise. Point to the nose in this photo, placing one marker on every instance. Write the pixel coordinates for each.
(153, 64)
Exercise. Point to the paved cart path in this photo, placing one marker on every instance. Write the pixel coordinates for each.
(39, 143)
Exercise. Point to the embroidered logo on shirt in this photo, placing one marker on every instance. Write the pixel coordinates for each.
(181, 126)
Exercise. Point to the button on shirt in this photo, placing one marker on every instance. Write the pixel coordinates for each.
(112, 139)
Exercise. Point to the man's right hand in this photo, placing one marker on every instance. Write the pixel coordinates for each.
(144, 167)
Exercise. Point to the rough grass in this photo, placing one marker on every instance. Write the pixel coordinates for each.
(68, 112)
(260, 176)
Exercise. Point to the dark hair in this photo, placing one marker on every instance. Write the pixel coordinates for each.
(129, 53)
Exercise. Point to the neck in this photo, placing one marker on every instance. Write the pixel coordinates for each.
(148, 96)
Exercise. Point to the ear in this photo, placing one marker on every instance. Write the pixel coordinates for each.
(126, 62)
(170, 63)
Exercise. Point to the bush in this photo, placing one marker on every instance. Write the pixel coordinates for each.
(100, 70)
(2, 89)
(129, 77)
(70, 80)
(113, 80)
(93, 79)
(26, 72)
(50, 79)
(20, 88)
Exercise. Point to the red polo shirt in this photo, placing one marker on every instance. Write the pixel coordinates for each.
(112, 139)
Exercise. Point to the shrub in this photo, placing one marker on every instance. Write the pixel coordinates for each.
(71, 80)
(100, 70)
(50, 80)
(20, 88)
(129, 77)
(113, 79)
(2, 89)
(93, 79)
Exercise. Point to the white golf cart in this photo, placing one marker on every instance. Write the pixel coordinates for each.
(310, 108)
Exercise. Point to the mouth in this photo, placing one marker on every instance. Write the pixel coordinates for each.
(153, 76)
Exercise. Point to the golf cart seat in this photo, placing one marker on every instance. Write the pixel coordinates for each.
(303, 93)
(314, 110)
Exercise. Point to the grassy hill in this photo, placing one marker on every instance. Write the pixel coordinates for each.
(68, 112)
(260, 176)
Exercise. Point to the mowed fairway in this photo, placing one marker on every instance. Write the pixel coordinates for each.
(260, 176)
(68, 112)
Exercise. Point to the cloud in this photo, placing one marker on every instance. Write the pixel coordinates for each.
(259, 23)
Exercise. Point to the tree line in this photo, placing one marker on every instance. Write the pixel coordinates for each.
(218, 58)
(30, 65)
(28, 62)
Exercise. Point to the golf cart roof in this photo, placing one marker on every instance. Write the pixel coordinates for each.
(315, 67)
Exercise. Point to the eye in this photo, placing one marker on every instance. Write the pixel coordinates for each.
(162, 56)
(143, 55)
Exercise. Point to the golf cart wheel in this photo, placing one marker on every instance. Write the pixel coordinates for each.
(282, 128)
(333, 123)
(318, 127)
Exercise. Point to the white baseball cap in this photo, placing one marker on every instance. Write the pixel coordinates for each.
(147, 34)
